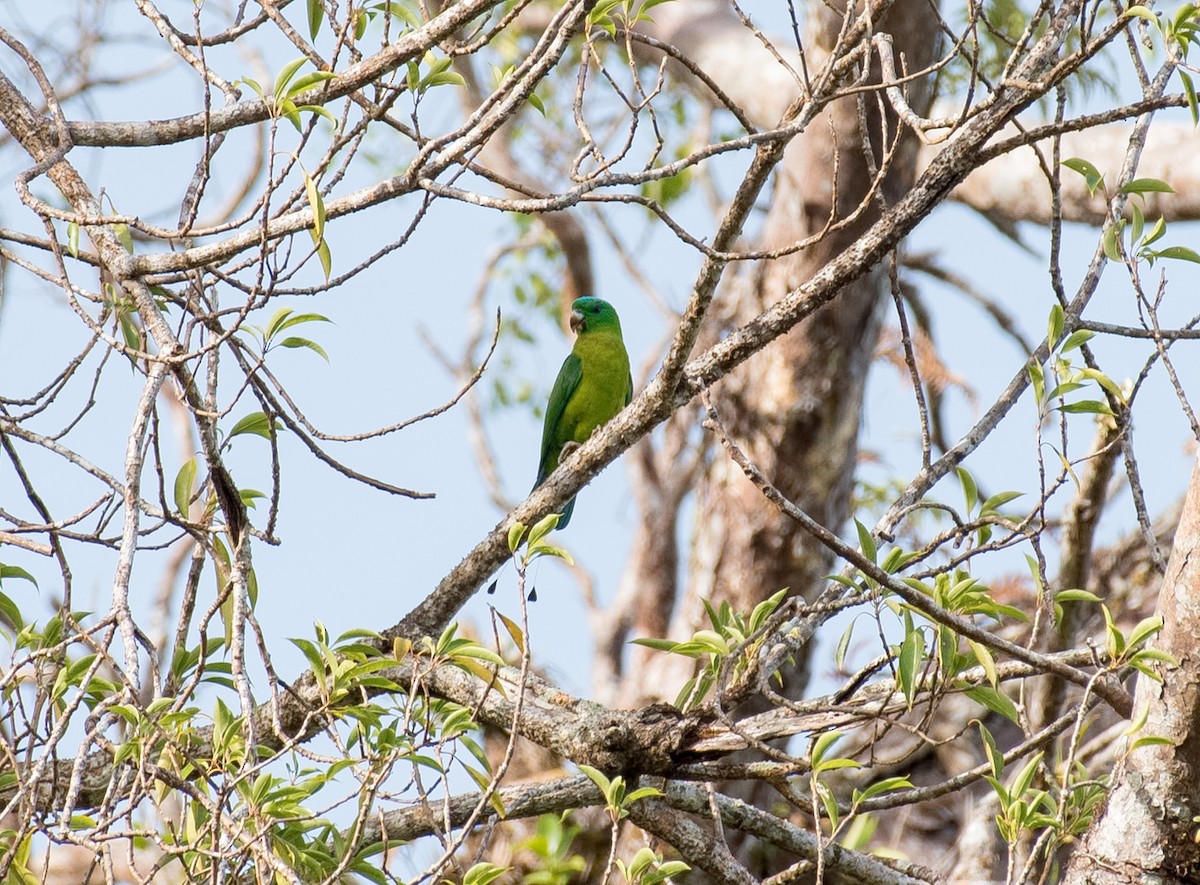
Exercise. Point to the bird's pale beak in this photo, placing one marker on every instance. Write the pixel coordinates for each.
(576, 321)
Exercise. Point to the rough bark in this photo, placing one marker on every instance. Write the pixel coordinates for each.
(1146, 832)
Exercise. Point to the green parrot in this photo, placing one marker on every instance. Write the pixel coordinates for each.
(593, 384)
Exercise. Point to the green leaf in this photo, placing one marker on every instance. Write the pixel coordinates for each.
(1077, 338)
(325, 257)
(256, 423)
(666, 645)
(1038, 379)
(830, 802)
(15, 571)
(1089, 172)
(318, 206)
(984, 656)
(514, 631)
(839, 655)
(1087, 407)
(642, 793)
(1143, 13)
(1182, 253)
(442, 78)
(1147, 186)
(1151, 741)
(1189, 89)
(10, 614)
(865, 542)
(285, 77)
(1054, 326)
(1024, 779)
(597, 777)
(998, 500)
(970, 491)
(483, 873)
(124, 236)
(1156, 232)
(315, 17)
(294, 342)
(308, 81)
(1144, 630)
(1075, 595)
(543, 548)
(1112, 239)
(908, 663)
(821, 746)
(184, 481)
(543, 527)
(516, 532)
(994, 700)
(994, 756)
(886, 785)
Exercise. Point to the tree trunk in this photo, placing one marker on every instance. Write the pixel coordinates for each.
(1147, 829)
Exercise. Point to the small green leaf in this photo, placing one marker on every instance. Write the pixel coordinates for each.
(839, 655)
(184, 481)
(516, 532)
(1189, 89)
(886, 785)
(544, 526)
(318, 206)
(908, 663)
(984, 656)
(1182, 253)
(1075, 595)
(1089, 172)
(1086, 407)
(124, 236)
(1144, 630)
(1139, 223)
(821, 746)
(285, 77)
(1156, 232)
(970, 491)
(305, 342)
(1112, 239)
(325, 258)
(256, 423)
(1054, 326)
(597, 777)
(1038, 379)
(994, 756)
(308, 81)
(10, 614)
(483, 873)
(316, 15)
(1143, 13)
(865, 542)
(15, 571)
(1151, 741)
(1147, 186)
(994, 700)
(1077, 338)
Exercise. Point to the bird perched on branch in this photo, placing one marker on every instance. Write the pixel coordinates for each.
(593, 384)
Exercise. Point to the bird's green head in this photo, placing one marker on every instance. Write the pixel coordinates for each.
(590, 314)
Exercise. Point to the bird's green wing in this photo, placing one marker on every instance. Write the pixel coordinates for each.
(564, 385)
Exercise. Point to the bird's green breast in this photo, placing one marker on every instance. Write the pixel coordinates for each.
(603, 388)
